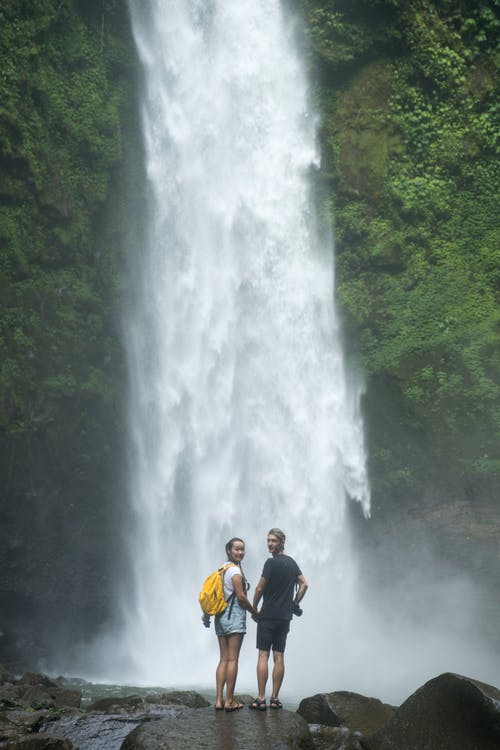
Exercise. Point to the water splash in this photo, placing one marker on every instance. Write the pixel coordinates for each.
(241, 413)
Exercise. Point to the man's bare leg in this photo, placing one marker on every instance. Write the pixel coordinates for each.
(262, 673)
(278, 672)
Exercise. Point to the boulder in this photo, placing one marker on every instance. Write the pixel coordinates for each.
(39, 742)
(130, 703)
(210, 729)
(5, 675)
(334, 738)
(450, 712)
(113, 705)
(187, 698)
(95, 730)
(10, 695)
(63, 681)
(36, 678)
(21, 721)
(341, 708)
(41, 696)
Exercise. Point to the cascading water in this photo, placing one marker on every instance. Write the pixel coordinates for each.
(241, 414)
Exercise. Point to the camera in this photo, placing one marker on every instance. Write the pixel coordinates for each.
(296, 610)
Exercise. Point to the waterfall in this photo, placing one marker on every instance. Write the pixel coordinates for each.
(242, 416)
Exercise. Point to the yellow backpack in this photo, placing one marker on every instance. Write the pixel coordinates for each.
(211, 598)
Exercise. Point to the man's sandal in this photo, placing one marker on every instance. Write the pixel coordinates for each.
(258, 705)
(275, 703)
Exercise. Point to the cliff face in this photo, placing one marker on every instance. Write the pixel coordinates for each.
(409, 182)
(64, 105)
(409, 96)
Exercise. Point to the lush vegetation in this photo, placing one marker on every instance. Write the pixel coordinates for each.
(409, 93)
(60, 135)
(64, 92)
(409, 176)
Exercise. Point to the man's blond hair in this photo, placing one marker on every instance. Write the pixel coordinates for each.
(278, 534)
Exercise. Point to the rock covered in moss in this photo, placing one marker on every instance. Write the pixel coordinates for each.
(343, 708)
(449, 712)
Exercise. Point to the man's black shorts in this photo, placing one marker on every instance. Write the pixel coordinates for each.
(272, 633)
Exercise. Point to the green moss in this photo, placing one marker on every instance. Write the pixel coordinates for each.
(63, 97)
(410, 138)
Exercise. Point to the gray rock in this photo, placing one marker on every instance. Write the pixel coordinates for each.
(94, 731)
(218, 730)
(130, 703)
(63, 681)
(23, 721)
(342, 708)
(450, 712)
(36, 678)
(115, 704)
(41, 696)
(10, 695)
(39, 742)
(334, 738)
(188, 698)
(5, 675)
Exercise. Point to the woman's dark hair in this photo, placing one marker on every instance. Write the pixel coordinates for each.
(231, 542)
(229, 545)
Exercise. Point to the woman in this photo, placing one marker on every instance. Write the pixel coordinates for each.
(230, 626)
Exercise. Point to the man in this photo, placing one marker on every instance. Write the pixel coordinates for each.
(280, 576)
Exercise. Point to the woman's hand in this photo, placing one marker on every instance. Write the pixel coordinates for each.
(240, 594)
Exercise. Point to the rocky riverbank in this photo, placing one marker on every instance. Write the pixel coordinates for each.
(450, 712)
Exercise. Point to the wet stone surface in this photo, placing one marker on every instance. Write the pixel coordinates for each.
(103, 731)
(217, 730)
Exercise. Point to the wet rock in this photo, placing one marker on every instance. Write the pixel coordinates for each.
(23, 722)
(63, 681)
(116, 704)
(5, 675)
(96, 731)
(244, 698)
(131, 703)
(41, 696)
(188, 698)
(218, 730)
(10, 695)
(36, 691)
(39, 742)
(334, 738)
(450, 712)
(36, 678)
(342, 708)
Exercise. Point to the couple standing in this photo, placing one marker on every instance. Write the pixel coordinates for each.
(280, 577)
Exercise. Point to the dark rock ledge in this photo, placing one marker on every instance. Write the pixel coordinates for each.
(450, 712)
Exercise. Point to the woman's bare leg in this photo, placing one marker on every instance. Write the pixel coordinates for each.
(233, 652)
(221, 671)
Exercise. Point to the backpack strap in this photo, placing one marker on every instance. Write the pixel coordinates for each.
(231, 599)
(232, 596)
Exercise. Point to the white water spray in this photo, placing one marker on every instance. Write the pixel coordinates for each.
(241, 414)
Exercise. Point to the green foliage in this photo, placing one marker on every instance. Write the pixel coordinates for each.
(61, 109)
(410, 146)
(335, 39)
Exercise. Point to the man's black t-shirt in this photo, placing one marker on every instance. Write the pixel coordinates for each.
(281, 574)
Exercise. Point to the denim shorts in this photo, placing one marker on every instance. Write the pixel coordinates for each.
(232, 620)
